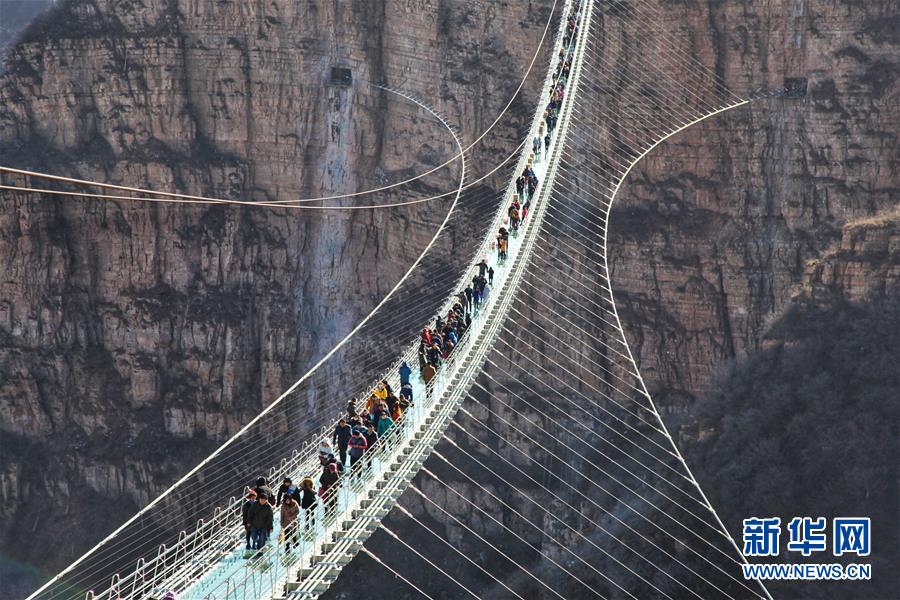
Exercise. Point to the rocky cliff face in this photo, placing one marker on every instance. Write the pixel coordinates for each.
(721, 226)
(134, 337)
(761, 247)
(865, 266)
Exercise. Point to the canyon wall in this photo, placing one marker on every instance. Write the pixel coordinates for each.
(136, 337)
(719, 227)
(133, 338)
(717, 238)
(755, 263)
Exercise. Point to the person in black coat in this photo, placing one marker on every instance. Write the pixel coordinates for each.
(341, 438)
(249, 502)
(371, 437)
(407, 390)
(434, 354)
(307, 501)
(287, 487)
(262, 521)
(265, 491)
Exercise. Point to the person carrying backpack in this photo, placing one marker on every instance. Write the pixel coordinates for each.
(287, 487)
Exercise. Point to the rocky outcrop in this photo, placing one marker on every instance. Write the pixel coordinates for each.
(866, 265)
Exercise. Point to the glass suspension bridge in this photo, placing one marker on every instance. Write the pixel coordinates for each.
(588, 494)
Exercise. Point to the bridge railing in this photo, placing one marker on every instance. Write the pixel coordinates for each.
(185, 563)
(267, 573)
(348, 493)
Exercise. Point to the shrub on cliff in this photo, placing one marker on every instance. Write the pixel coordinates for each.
(809, 426)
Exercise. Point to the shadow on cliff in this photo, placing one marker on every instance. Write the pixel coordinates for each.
(809, 427)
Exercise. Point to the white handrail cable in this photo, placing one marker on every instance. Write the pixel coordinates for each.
(537, 528)
(429, 561)
(394, 572)
(412, 517)
(620, 501)
(600, 527)
(587, 444)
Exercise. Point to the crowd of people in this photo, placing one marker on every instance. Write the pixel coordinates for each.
(366, 423)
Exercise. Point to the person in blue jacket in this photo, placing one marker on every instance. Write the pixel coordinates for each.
(405, 373)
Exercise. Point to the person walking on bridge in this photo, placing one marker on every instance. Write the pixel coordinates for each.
(407, 391)
(353, 407)
(513, 213)
(308, 500)
(262, 520)
(289, 511)
(358, 445)
(434, 354)
(381, 391)
(428, 374)
(324, 450)
(405, 373)
(385, 422)
(502, 241)
(326, 481)
(462, 297)
(371, 437)
(482, 267)
(422, 355)
(249, 502)
(476, 287)
(341, 438)
(286, 488)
